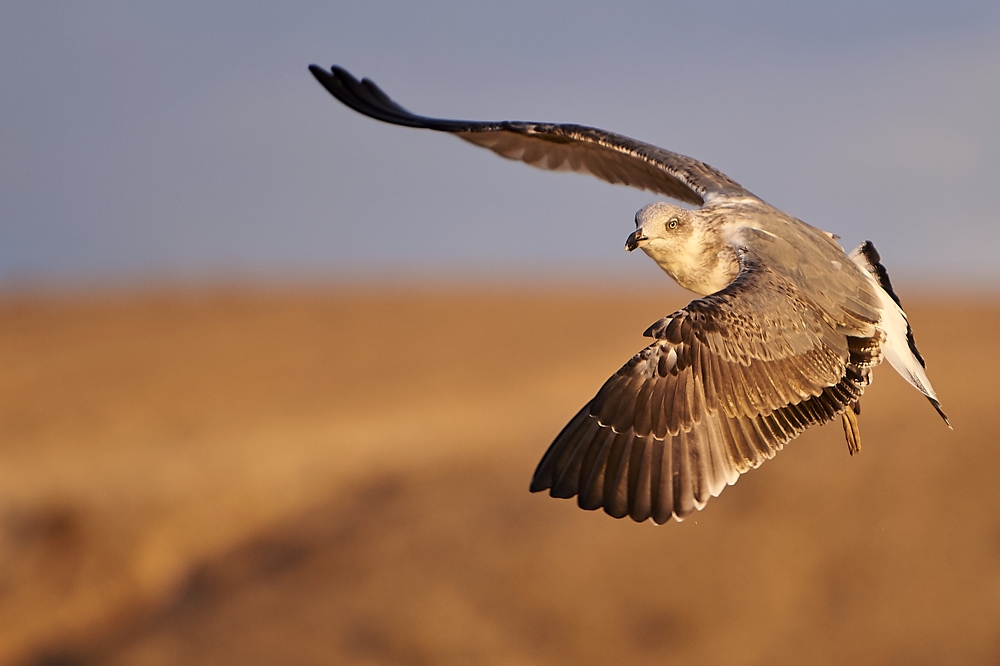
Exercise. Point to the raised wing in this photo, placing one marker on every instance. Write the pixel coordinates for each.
(728, 381)
(611, 157)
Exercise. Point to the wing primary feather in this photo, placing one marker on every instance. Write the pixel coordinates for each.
(642, 418)
(605, 404)
(617, 475)
(567, 483)
(593, 469)
(722, 463)
(639, 490)
(708, 385)
(625, 413)
(662, 497)
(657, 417)
(679, 413)
(698, 455)
(559, 451)
(682, 481)
(743, 450)
(748, 442)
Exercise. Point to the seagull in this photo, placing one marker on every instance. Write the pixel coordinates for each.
(785, 335)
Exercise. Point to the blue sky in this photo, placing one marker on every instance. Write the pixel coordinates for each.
(187, 141)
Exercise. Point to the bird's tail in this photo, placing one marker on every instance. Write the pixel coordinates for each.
(899, 348)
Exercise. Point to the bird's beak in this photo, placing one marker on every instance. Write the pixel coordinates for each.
(633, 240)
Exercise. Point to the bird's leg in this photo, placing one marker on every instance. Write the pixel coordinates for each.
(851, 430)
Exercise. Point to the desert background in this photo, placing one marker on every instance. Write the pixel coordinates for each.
(324, 476)
(274, 377)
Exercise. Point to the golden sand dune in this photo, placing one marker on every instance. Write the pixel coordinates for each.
(294, 477)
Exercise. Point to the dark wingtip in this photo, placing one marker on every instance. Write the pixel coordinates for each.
(538, 484)
(328, 79)
(335, 80)
(365, 97)
(321, 74)
(368, 99)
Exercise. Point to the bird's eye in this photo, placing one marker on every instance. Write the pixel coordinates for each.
(672, 223)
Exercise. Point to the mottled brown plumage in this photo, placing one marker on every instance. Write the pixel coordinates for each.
(785, 335)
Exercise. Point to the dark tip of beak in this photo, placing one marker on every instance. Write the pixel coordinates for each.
(633, 240)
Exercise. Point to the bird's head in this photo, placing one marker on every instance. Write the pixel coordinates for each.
(685, 245)
(661, 229)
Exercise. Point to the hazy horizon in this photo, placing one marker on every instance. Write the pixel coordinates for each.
(189, 143)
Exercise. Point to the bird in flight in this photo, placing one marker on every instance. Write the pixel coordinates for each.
(785, 335)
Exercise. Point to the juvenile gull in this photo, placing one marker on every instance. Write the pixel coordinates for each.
(785, 336)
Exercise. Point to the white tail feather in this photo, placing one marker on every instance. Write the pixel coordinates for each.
(896, 347)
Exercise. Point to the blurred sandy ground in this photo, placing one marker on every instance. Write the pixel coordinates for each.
(340, 477)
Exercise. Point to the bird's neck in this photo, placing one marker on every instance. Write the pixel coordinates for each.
(705, 265)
